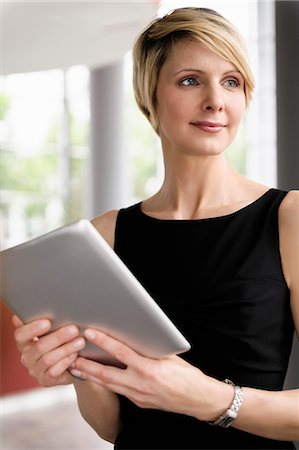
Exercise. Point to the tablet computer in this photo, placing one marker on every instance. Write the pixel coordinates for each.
(71, 275)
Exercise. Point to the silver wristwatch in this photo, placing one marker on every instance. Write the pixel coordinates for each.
(231, 414)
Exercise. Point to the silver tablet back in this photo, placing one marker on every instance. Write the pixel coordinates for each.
(71, 275)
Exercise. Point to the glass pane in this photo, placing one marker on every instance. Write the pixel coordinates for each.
(37, 118)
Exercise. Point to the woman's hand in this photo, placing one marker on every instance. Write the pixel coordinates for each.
(169, 384)
(48, 357)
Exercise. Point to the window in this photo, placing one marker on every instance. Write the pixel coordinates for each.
(44, 148)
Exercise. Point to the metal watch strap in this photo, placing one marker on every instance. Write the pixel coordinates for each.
(231, 414)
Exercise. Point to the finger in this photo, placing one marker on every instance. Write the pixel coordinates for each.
(26, 333)
(78, 374)
(120, 351)
(60, 375)
(92, 371)
(113, 387)
(16, 321)
(104, 373)
(62, 366)
(44, 361)
(52, 341)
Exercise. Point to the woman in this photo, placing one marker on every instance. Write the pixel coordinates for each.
(219, 253)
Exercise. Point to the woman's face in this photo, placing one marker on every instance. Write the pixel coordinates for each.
(200, 100)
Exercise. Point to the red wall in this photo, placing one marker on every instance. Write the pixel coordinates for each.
(14, 377)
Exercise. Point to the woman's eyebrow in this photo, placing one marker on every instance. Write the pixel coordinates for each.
(203, 72)
(189, 70)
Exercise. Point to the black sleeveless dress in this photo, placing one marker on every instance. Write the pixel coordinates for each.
(220, 280)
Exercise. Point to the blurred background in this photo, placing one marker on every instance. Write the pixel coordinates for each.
(74, 144)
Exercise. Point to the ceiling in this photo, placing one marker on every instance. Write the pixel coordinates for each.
(43, 35)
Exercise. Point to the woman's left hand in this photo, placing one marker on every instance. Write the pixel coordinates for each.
(169, 384)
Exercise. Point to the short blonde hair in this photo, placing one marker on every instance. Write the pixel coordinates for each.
(153, 46)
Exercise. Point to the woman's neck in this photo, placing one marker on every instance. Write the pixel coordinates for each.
(195, 186)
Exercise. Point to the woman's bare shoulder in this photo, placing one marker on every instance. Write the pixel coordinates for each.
(289, 209)
(105, 225)
(289, 237)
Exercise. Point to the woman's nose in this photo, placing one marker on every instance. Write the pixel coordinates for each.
(213, 99)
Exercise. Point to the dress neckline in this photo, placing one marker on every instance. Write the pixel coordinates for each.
(206, 219)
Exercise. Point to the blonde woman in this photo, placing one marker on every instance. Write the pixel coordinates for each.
(218, 252)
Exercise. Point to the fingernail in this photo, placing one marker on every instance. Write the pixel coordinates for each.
(90, 334)
(43, 325)
(76, 373)
(71, 331)
(79, 343)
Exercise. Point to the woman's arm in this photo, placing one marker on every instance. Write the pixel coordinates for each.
(174, 385)
(274, 415)
(100, 408)
(289, 249)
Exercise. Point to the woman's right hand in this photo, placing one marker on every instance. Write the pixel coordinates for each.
(47, 357)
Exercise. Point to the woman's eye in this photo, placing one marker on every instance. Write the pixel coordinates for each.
(231, 83)
(189, 82)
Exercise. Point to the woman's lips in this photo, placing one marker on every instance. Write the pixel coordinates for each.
(209, 127)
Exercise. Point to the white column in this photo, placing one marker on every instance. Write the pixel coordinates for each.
(65, 153)
(106, 165)
(261, 157)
